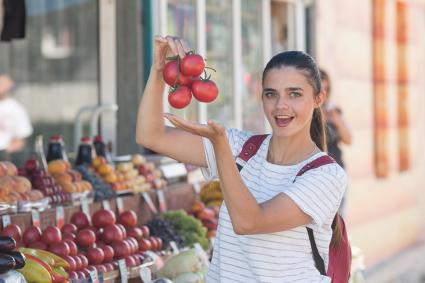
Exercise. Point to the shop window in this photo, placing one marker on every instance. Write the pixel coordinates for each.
(181, 21)
(219, 56)
(55, 67)
(282, 27)
(252, 65)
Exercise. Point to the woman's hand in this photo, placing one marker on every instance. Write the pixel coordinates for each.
(168, 46)
(212, 130)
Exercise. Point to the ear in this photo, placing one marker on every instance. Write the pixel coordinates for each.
(319, 99)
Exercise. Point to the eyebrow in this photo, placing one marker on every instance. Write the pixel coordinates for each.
(286, 89)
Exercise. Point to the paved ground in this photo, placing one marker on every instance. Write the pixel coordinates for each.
(406, 267)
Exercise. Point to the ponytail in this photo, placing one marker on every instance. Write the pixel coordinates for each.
(317, 129)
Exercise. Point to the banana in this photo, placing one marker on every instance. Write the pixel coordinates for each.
(34, 272)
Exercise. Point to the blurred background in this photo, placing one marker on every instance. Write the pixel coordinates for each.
(86, 53)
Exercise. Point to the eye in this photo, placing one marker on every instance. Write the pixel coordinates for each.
(295, 94)
(269, 94)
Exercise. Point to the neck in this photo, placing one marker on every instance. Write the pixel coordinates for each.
(290, 151)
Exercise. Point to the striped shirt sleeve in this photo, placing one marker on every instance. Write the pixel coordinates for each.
(318, 192)
(236, 140)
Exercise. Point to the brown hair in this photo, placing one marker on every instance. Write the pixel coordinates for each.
(306, 64)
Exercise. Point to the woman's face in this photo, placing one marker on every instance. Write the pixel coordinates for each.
(288, 101)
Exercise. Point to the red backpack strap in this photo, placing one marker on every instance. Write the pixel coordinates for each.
(251, 147)
(323, 160)
(318, 260)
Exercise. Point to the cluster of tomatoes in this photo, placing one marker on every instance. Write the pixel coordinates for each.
(183, 75)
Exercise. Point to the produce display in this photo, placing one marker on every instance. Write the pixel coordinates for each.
(183, 75)
(189, 228)
(165, 230)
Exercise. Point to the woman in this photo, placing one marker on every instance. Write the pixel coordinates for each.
(261, 235)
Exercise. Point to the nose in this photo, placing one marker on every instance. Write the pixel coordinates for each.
(282, 103)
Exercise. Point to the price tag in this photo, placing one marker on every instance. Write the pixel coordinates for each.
(159, 263)
(85, 207)
(145, 274)
(6, 220)
(106, 204)
(174, 247)
(148, 200)
(120, 205)
(35, 218)
(123, 270)
(201, 252)
(94, 276)
(161, 200)
(60, 217)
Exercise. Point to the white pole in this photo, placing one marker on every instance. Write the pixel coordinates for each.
(108, 67)
(237, 62)
(201, 49)
(267, 42)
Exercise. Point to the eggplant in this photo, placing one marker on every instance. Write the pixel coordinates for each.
(18, 257)
(6, 263)
(7, 244)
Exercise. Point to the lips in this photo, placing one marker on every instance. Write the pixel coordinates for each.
(283, 120)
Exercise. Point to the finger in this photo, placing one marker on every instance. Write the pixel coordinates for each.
(172, 45)
(180, 48)
(160, 39)
(185, 46)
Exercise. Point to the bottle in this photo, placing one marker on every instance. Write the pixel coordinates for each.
(56, 149)
(85, 152)
(99, 146)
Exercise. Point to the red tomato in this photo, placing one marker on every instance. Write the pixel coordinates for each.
(171, 73)
(180, 98)
(205, 91)
(192, 65)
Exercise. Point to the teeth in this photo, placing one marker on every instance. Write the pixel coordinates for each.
(283, 116)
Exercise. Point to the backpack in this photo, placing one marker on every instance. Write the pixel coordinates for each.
(339, 251)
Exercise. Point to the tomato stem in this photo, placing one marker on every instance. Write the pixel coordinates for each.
(210, 68)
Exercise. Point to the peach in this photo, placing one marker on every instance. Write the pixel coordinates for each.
(57, 166)
(98, 161)
(138, 159)
(198, 206)
(10, 168)
(68, 187)
(22, 184)
(63, 177)
(105, 169)
(110, 178)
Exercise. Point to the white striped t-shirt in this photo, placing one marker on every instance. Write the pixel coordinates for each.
(284, 256)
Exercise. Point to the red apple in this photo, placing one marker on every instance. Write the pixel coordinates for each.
(109, 266)
(38, 245)
(71, 262)
(154, 243)
(130, 261)
(80, 220)
(73, 275)
(128, 218)
(95, 255)
(108, 252)
(32, 234)
(160, 243)
(134, 244)
(85, 238)
(121, 249)
(69, 228)
(60, 248)
(78, 262)
(112, 233)
(135, 232)
(81, 274)
(101, 268)
(73, 250)
(144, 245)
(84, 260)
(103, 218)
(124, 232)
(12, 230)
(51, 235)
(146, 231)
(68, 236)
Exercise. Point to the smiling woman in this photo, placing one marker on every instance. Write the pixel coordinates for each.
(262, 233)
